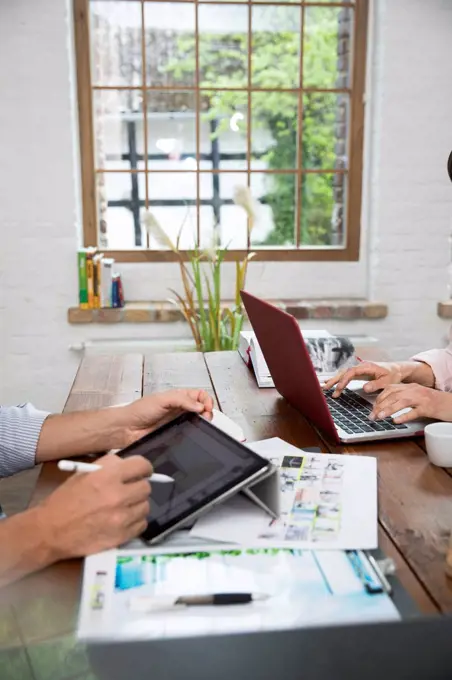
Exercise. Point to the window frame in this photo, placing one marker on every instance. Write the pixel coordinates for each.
(349, 252)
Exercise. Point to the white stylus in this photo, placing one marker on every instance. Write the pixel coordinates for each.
(76, 466)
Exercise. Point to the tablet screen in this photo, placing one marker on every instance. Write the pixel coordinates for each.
(203, 461)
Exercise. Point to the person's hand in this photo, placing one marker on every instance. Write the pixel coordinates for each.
(99, 510)
(149, 413)
(378, 376)
(425, 402)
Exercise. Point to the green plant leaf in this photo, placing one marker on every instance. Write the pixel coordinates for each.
(226, 340)
(196, 268)
(190, 318)
(213, 315)
(238, 327)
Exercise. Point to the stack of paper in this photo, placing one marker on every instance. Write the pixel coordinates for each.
(251, 353)
(328, 501)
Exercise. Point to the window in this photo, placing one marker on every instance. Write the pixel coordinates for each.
(182, 102)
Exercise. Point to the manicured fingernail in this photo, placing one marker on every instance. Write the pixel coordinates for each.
(372, 416)
(336, 394)
(382, 415)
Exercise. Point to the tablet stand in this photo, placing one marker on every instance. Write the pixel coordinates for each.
(266, 493)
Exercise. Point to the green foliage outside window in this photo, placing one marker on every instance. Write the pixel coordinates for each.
(223, 62)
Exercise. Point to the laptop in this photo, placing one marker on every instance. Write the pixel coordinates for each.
(345, 419)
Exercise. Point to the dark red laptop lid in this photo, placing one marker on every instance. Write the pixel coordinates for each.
(287, 357)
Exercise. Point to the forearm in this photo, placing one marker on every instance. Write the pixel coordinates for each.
(440, 363)
(25, 546)
(81, 433)
(417, 372)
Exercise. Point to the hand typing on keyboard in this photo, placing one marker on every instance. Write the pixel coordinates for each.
(421, 402)
(351, 413)
(378, 376)
(382, 375)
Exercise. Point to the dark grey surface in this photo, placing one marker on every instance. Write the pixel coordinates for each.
(412, 650)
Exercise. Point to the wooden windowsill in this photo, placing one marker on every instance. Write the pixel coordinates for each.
(165, 312)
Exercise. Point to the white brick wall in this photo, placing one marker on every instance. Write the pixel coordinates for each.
(407, 210)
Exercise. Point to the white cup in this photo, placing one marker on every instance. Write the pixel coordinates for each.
(438, 441)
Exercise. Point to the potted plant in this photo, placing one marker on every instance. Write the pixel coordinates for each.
(214, 325)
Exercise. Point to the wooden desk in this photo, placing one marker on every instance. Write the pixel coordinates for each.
(415, 499)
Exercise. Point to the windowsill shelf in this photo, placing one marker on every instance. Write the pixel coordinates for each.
(165, 312)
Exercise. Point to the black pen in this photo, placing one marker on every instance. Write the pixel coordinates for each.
(220, 598)
(150, 603)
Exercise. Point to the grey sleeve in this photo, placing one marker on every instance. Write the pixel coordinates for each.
(20, 427)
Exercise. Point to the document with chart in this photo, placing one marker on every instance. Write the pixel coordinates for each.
(327, 501)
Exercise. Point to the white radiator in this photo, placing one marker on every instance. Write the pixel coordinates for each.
(132, 345)
(163, 345)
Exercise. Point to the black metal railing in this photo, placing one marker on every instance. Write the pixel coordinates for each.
(134, 204)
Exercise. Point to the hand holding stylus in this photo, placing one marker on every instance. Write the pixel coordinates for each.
(89, 513)
(77, 466)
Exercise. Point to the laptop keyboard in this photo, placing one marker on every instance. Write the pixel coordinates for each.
(351, 413)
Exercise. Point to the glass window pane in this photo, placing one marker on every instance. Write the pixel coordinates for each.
(172, 187)
(171, 130)
(207, 222)
(172, 201)
(171, 118)
(276, 46)
(170, 43)
(317, 2)
(223, 129)
(325, 131)
(176, 219)
(222, 184)
(223, 45)
(220, 218)
(323, 209)
(115, 30)
(295, 2)
(327, 47)
(275, 223)
(233, 227)
(120, 200)
(228, 183)
(118, 129)
(274, 130)
(230, 231)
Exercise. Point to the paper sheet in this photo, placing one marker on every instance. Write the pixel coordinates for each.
(328, 355)
(304, 588)
(249, 348)
(328, 501)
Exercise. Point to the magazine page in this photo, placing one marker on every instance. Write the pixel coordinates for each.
(327, 501)
(143, 594)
